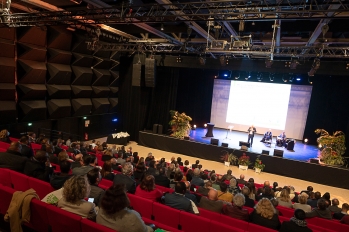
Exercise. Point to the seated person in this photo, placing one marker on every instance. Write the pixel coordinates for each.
(267, 136)
(177, 199)
(296, 223)
(58, 179)
(236, 210)
(147, 189)
(265, 215)
(321, 211)
(281, 139)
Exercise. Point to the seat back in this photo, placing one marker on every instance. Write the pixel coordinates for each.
(6, 197)
(219, 226)
(164, 189)
(285, 212)
(4, 145)
(61, 220)
(166, 215)
(90, 226)
(160, 225)
(190, 222)
(42, 188)
(209, 214)
(38, 218)
(19, 181)
(143, 206)
(253, 228)
(325, 223)
(107, 183)
(5, 177)
(233, 221)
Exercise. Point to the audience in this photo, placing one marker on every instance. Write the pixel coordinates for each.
(162, 179)
(126, 178)
(228, 176)
(189, 195)
(284, 199)
(4, 136)
(94, 177)
(296, 223)
(242, 180)
(252, 189)
(107, 171)
(26, 149)
(309, 189)
(85, 166)
(115, 213)
(177, 199)
(197, 181)
(233, 186)
(342, 213)
(321, 210)
(215, 185)
(313, 198)
(204, 190)
(12, 158)
(58, 179)
(266, 193)
(39, 167)
(152, 170)
(78, 161)
(211, 202)
(178, 176)
(248, 201)
(223, 193)
(146, 189)
(75, 190)
(236, 210)
(334, 207)
(179, 161)
(264, 215)
(302, 199)
(194, 166)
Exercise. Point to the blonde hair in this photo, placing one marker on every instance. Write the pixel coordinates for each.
(284, 196)
(62, 156)
(265, 208)
(303, 198)
(3, 134)
(75, 189)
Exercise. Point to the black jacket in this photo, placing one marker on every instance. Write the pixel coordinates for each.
(128, 181)
(27, 151)
(289, 226)
(12, 160)
(57, 180)
(249, 202)
(38, 170)
(162, 180)
(273, 223)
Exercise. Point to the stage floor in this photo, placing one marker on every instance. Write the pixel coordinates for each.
(300, 152)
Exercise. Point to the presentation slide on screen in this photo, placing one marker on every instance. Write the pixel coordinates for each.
(279, 107)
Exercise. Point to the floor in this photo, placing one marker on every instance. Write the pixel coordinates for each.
(301, 152)
(341, 194)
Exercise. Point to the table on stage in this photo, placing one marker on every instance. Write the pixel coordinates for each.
(209, 130)
(120, 141)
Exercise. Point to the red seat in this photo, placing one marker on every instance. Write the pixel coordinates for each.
(42, 188)
(61, 220)
(141, 205)
(14, 139)
(319, 228)
(254, 228)
(325, 223)
(2, 149)
(90, 226)
(36, 146)
(160, 225)
(219, 226)
(166, 215)
(5, 177)
(286, 212)
(191, 222)
(4, 145)
(6, 197)
(19, 181)
(233, 221)
(164, 189)
(210, 215)
(65, 147)
(107, 183)
(38, 217)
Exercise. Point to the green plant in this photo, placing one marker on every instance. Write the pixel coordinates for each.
(332, 147)
(244, 160)
(229, 158)
(180, 125)
(258, 164)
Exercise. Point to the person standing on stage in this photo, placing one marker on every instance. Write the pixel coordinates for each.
(251, 130)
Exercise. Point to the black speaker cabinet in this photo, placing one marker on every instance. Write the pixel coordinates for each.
(278, 153)
(224, 145)
(155, 128)
(150, 72)
(214, 141)
(136, 74)
(265, 152)
(160, 129)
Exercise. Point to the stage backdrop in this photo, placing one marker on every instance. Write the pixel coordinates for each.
(280, 107)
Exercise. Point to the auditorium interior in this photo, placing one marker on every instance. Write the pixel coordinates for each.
(88, 69)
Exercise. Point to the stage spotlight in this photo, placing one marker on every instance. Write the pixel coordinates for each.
(259, 77)
(202, 60)
(290, 78)
(194, 127)
(248, 76)
(306, 141)
(205, 125)
(179, 59)
(271, 76)
(315, 66)
(347, 67)
(320, 145)
(237, 77)
(114, 120)
(162, 27)
(268, 63)
(284, 79)
(84, 118)
(222, 60)
(30, 124)
(298, 79)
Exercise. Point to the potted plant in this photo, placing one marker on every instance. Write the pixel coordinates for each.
(180, 125)
(244, 161)
(332, 147)
(258, 166)
(229, 158)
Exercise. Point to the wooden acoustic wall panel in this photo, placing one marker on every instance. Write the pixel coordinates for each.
(100, 105)
(7, 91)
(8, 33)
(59, 38)
(59, 74)
(100, 91)
(113, 91)
(31, 91)
(7, 70)
(8, 111)
(59, 56)
(113, 105)
(32, 35)
(31, 52)
(31, 72)
(79, 45)
(81, 91)
(82, 76)
(114, 81)
(82, 60)
(104, 54)
(7, 48)
(59, 91)
(32, 110)
(81, 106)
(101, 77)
(101, 63)
(59, 108)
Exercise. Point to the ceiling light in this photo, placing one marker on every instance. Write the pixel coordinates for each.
(179, 59)
(162, 27)
(309, 81)
(347, 67)
(253, 23)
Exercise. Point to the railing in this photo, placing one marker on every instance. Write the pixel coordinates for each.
(54, 134)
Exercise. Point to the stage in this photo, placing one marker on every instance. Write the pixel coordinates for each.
(301, 152)
(292, 165)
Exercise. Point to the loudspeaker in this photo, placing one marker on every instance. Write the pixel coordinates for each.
(314, 161)
(186, 137)
(224, 145)
(214, 141)
(136, 74)
(160, 129)
(242, 143)
(265, 152)
(155, 128)
(150, 72)
(279, 153)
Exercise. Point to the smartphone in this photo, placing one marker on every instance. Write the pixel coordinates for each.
(194, 189)
(91, 200)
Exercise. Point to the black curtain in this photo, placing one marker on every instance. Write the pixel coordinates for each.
(328, 107)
